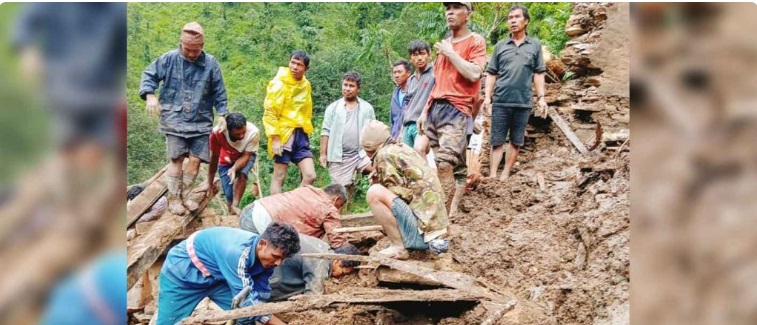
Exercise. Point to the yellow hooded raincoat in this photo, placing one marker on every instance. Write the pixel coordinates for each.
(288, 105)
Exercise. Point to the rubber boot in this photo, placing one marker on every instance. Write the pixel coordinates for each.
(459, 191)
(188, 184)
(447, 178)
(174, 196)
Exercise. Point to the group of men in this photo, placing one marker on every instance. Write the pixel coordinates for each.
(434, 106)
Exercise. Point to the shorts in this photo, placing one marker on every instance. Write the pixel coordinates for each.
(510, 120)
(255, 218)
(409, 134)
(198, 146)
(74, 127)
(228, 188)
(408, 225)
(344, 172)
(300, 149)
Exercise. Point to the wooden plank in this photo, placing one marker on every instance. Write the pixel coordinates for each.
(147, 248)
(567, 131)
(152, 192)
(454, 280)
(496, 312)
(385, 274)
(358, 220)
(358, 229)
(302, 302)
(143, 227)
(210, 220)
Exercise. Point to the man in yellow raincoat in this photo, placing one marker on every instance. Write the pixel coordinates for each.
(288, 121)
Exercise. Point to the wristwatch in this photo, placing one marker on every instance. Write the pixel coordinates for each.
(539, 97)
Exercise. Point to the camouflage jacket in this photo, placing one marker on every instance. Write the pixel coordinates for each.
(401, 170)
(189, 92)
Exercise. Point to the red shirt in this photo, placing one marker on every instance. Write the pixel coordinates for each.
(230, 152)
(309, 210)
(450, 84)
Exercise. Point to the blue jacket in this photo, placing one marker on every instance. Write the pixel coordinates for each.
(229, 255)
(395, 114)
(189, 92)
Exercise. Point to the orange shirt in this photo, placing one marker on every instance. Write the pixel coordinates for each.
(309, 210)
(450, 84)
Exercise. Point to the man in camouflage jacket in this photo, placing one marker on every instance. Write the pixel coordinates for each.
(408, 202)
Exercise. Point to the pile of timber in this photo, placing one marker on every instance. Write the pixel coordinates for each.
(152, 240)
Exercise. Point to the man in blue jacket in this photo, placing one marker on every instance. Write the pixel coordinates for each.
(219, 263)
(192, 86)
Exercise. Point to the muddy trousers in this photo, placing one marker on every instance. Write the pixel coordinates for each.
(446, 131)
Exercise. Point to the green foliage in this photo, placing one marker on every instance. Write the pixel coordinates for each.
(547, 22)
(568, 75)
(251, 40)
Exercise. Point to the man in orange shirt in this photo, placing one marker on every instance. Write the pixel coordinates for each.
(457, 71)
(311, 210)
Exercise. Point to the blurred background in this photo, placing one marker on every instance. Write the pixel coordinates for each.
(62, 180)
(694, 164)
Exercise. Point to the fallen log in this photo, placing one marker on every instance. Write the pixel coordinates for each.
(358, 229)
(450, 279)
(301, 303)
(567, 131)
(148, 247)
(151, 193)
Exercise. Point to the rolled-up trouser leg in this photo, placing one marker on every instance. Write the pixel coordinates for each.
(447, 133)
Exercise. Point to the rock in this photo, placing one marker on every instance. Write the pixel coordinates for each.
(592, 81)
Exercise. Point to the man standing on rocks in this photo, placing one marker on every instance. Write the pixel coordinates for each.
(192, 86)
(408, 201)
(287, 118)
(516, 61)
(340, 136)
(457, 74)
(418, 89)
(400, 74)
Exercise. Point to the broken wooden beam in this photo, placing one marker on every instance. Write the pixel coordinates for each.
(567, 131)
(302, 302)
(150, 194)
(358, 220)
(616, 137)
(450, 279)
(147, 248)
(496, 312)
(389, 275)
(358, 229)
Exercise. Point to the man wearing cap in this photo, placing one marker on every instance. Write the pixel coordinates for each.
(192, 86)
(457, 73)
(408, 202)
(515, 63)
(287, 118)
